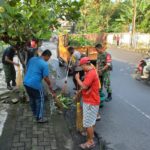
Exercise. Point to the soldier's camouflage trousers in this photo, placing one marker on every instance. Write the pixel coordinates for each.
(105, 82)
(10, 73)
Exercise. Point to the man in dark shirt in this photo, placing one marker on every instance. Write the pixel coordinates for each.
(8, 65)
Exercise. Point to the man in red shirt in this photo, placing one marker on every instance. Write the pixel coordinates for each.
(91, 99)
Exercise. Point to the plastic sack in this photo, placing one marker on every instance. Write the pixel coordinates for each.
(19, 79)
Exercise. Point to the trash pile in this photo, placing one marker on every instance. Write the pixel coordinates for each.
(62, 101)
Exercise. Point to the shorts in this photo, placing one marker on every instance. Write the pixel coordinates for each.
(89, 115)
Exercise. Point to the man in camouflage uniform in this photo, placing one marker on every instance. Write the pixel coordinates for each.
(8, 65)
(103, 68)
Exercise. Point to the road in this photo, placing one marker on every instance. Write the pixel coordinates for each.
(125, 122)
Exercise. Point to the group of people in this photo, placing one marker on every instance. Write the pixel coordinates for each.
(87, 77)
(9, 64)
(91, 86)
(37, 69)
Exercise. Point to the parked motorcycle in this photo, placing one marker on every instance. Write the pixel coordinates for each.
(143, 69)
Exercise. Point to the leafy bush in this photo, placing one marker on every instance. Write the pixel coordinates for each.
(79, 41)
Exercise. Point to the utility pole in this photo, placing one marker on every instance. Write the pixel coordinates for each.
(133, 22)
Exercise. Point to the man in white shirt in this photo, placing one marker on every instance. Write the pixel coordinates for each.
(75, 58)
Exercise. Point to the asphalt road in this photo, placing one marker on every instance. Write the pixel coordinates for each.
(125, 123)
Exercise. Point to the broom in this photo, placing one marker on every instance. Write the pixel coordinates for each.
(65, 86)
(79, 112)
(64, 89)
(58, 103)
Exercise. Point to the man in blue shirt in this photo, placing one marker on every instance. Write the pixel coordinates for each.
(37, 70)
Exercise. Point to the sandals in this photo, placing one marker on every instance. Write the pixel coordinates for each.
(87, 145)
(98, 118)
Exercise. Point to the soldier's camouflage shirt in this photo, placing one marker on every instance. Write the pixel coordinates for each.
(101, 60)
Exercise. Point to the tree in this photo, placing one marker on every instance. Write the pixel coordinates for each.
(143, 16)
(95, 15)
(133, 22)
(22, 20)
(104, 15)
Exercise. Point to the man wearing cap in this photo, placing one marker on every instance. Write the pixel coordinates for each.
(91, 99)
(103, 67)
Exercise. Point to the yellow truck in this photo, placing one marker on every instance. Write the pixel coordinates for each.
(90, 51)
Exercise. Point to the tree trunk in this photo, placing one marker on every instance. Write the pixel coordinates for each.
(22, 55)
(133, 23)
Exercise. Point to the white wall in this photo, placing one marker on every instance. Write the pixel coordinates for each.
(140, 39)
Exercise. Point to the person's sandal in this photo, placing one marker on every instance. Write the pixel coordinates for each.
(98, 118)
(87, 145)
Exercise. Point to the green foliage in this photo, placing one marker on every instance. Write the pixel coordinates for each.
(20, 21)
(106, 16)
(79, 41)
(95, 16)
(65, 101)
(143, 17)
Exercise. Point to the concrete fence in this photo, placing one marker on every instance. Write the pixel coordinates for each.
(140, 40)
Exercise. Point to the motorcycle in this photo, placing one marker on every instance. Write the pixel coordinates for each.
(142, 71)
